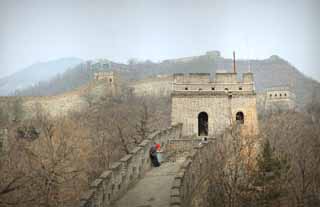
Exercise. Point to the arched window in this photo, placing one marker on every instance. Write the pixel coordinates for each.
(240, 117)
(203, 124)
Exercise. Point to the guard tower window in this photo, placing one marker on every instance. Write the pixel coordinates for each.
(186, 88)
(280, 94)
(276, 95)
(226, 89)
(285, 94)
(110, 80)
(203, 124)
(270, 95)
(200, 89)
(240, 117)
(213, 88)
(240, 88)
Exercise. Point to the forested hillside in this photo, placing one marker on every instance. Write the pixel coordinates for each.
(42, 71)
(270, 72)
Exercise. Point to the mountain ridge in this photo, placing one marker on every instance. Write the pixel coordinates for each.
(40, 71)
(270, 72)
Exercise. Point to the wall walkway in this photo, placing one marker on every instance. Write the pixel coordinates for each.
(132, 182)
(115, 182)
(192, 177)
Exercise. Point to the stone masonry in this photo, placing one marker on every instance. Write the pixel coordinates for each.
(279, 99)
(220, 100)
(115, 182)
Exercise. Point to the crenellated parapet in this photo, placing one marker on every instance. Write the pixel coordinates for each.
(280, 98)
(194, 173)
(222, 82)
(114, 182)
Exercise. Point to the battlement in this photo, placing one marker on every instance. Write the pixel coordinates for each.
(223, 81)
(279, 98)
(114, 182)
(191, 78)
(280, 92)
(103, 75)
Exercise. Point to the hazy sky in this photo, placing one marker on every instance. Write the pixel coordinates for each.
(41, 30)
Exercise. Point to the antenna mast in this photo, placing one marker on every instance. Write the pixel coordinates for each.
(234, 62)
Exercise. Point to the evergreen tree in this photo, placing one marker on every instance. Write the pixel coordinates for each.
(270, 176)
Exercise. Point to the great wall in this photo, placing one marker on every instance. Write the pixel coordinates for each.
(179, 180)
(181, 176)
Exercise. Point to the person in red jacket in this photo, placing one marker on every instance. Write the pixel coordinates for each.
(153, 156)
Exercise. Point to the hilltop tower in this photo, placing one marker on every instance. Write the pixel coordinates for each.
(111, 79)
(280, 98)
(206, 107)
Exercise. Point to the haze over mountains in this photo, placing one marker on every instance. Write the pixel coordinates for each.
(42, 71)
(270, 72)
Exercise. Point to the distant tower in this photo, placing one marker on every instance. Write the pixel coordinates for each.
(279, 99)
(110, 78)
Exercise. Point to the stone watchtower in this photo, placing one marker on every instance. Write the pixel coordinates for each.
(111, 80)
(279, 98)
(206, 107)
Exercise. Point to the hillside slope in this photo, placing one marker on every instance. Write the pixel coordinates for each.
(270, 72)
(35, 73)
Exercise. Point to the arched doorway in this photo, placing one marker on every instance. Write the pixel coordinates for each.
(203, 124)
(240, 117)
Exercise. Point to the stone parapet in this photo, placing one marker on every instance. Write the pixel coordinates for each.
(193, 173)
(114, 182)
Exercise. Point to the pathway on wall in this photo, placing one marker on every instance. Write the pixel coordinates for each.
(153, 190)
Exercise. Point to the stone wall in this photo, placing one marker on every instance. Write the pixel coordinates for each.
(156, 86)
(279, 99)
(192, 178)
(113, 183)
(221, 110)
(220, 99)
(221, 82)
(55, 106)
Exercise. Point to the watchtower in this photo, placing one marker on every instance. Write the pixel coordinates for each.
(207, 106)
(280, 98)
(111, 79)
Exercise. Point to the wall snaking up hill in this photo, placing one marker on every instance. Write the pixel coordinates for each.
(115, 182)
(54, 106)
